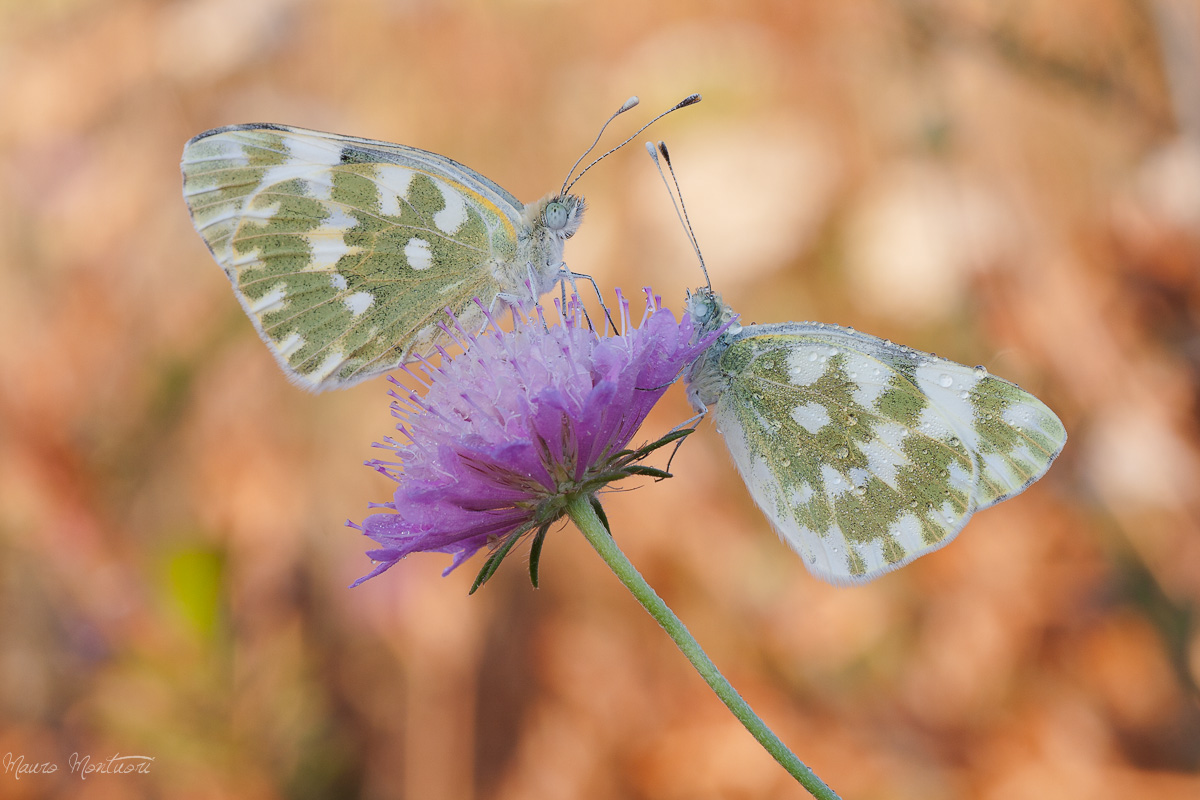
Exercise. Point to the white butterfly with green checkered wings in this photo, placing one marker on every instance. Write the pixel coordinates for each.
(864, 454)
(344, 251)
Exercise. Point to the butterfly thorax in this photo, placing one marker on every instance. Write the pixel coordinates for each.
(549, 223)
(705, 380)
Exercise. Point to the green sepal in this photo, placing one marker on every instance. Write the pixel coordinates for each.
(493, 561)
(627, 456)
(535, 553)
(642, 469)
(599, 509)
(673, 436)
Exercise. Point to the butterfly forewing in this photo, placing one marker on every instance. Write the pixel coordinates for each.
(1017, 438)
(344, 251)
(867, 454)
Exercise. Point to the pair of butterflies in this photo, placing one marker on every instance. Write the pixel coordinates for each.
(344, 252)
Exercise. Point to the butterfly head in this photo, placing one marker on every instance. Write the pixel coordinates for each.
(561, 214)
(704, 378)
(709, 312)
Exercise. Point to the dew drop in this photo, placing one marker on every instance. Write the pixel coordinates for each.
(954, 441)
(843, 452)
(964, 395)
(980, 370)
(946, 381)
(852, 418)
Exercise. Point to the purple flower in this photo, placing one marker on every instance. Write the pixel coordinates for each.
(517, 424)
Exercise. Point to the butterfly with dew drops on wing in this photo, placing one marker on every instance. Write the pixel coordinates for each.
(344, 252)
(864, 454)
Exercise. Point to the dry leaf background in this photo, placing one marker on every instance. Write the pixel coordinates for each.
(1009, 183)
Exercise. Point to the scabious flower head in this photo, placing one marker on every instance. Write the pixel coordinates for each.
(518, 423)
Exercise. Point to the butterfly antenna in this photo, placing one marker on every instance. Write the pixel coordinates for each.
(691, 99)
(628, 104)
(680, 207)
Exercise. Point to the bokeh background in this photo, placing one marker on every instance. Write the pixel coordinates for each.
(1011, 183)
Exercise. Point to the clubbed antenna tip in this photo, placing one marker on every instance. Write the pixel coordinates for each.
(691, 99)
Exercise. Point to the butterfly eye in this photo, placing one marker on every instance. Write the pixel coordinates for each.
(555, 215)
(701, 309)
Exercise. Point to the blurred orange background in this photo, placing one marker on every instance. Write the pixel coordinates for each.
(1009, 183)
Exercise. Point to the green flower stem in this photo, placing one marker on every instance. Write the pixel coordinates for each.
(579, 508)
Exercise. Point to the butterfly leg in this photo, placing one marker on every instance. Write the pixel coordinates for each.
(686, 424)
(567, 276)
(523, 302)
(689, 422)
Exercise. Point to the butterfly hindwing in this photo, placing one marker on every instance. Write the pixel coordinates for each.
(866, 454)
(344, 251)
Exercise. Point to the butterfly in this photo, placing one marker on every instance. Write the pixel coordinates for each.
(864, 454)
(345, 252)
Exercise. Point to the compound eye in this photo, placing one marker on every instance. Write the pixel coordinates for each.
(701, 308)
(555, 215)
